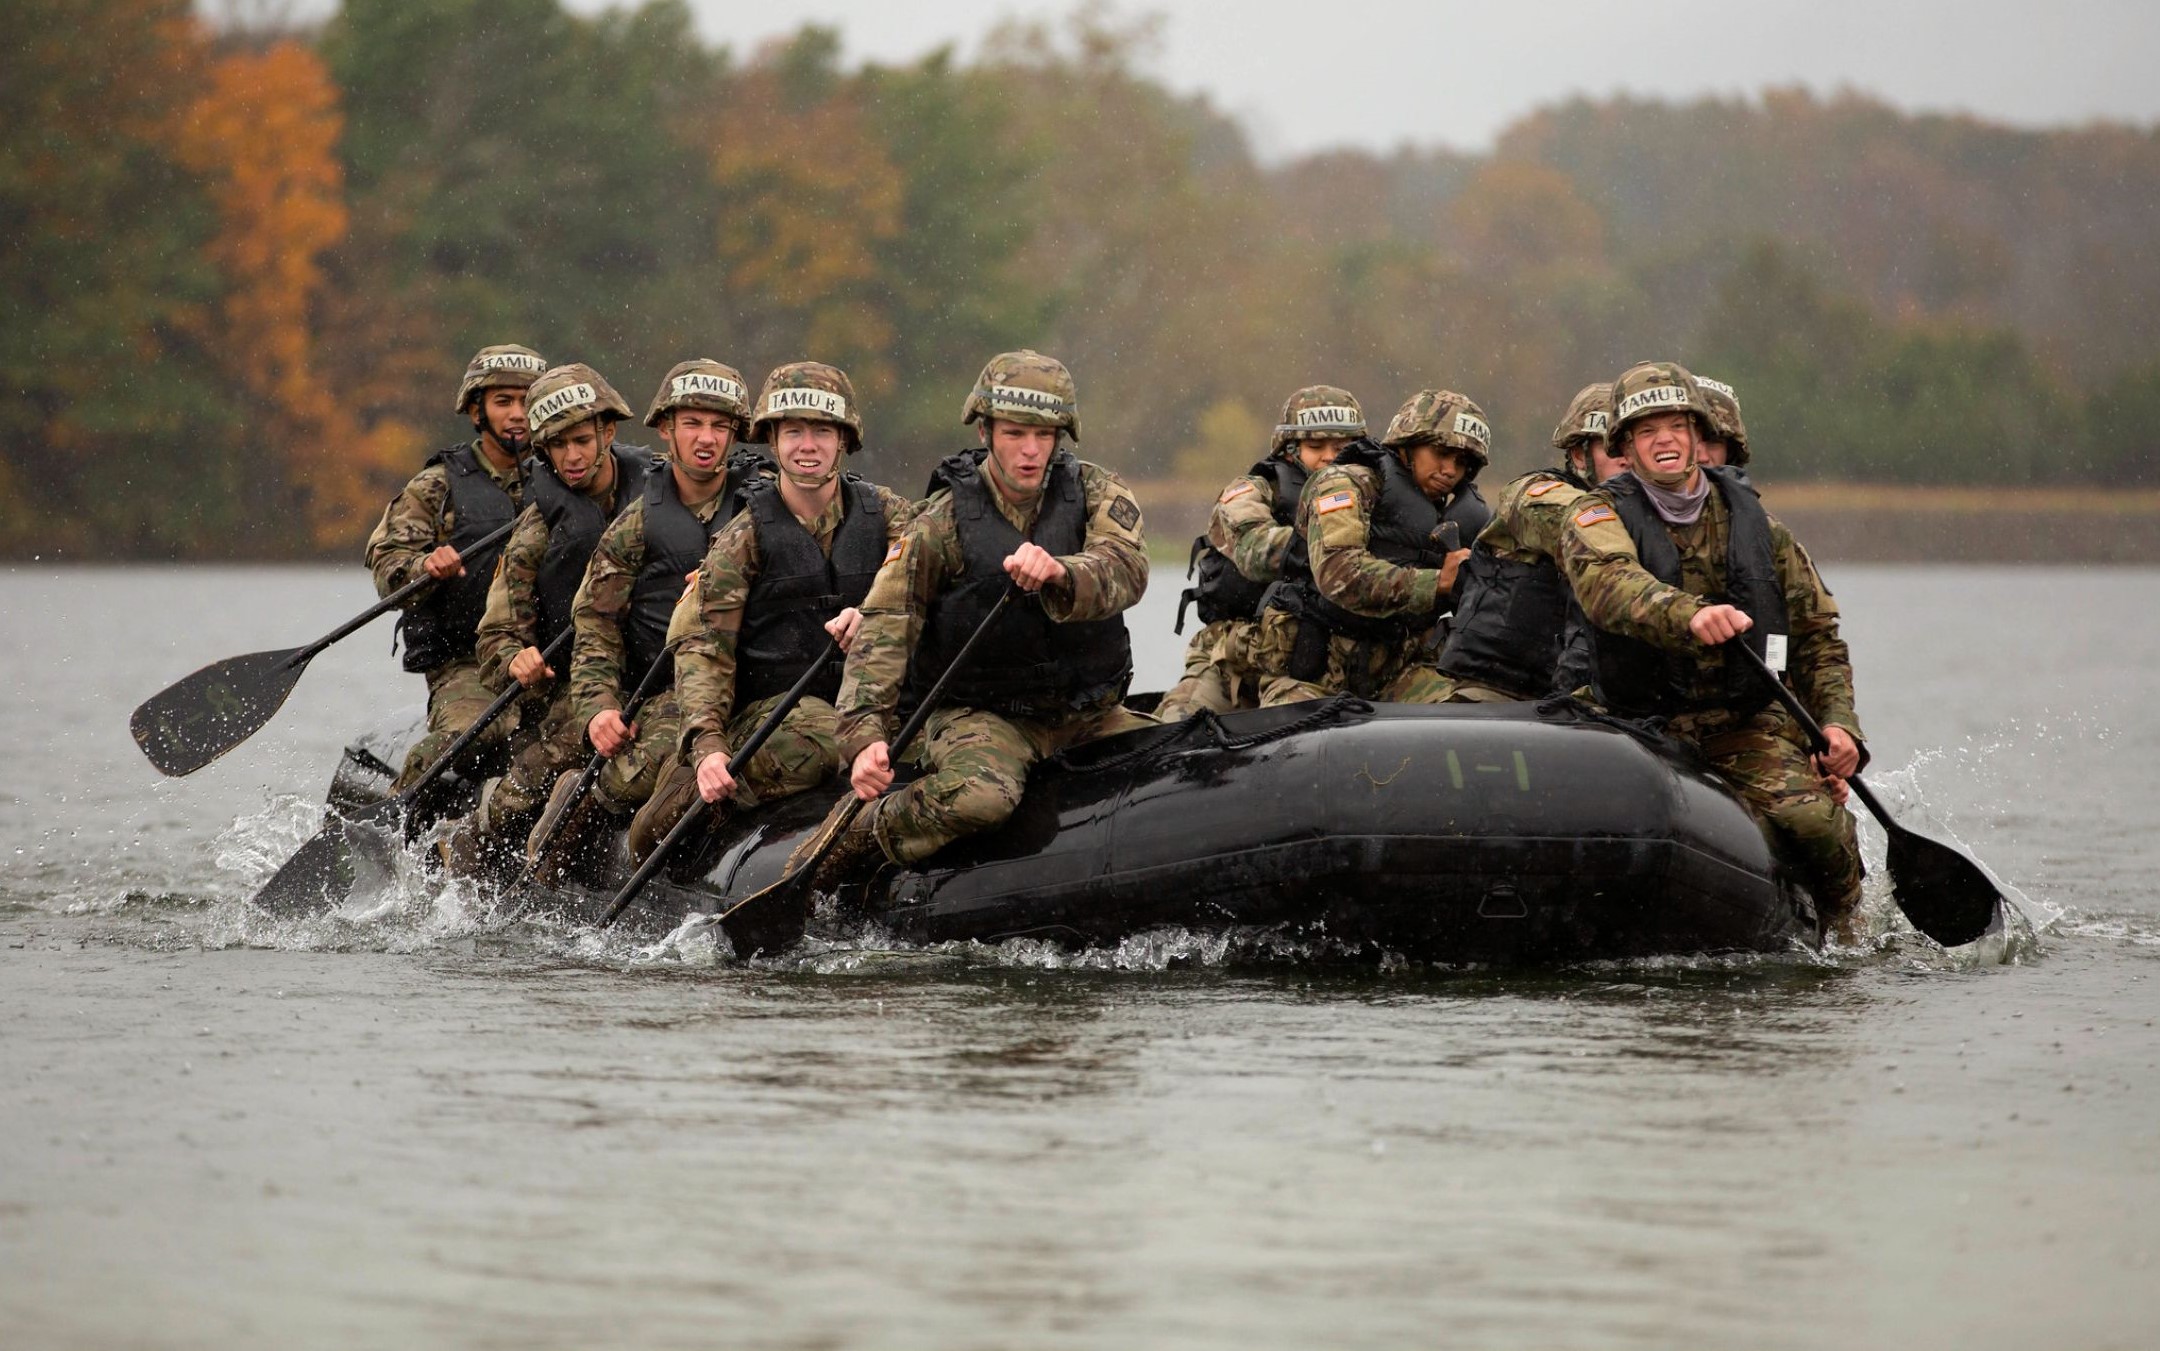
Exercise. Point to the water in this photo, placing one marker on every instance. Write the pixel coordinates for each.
(428, 1128)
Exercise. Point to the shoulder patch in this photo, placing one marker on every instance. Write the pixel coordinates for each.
(1335, 501)
(1236, 490)
(897, 551)
(1543, 488)
(1125, 512)
(1595, 514)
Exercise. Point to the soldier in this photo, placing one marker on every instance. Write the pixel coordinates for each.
(463, 495)
(623, 608)
(1727, 443)
(1506, 640)
(1386, 529)
(579, 478)
(1020, 510)
(782, 578)
(1250, 532)
(1671, 561)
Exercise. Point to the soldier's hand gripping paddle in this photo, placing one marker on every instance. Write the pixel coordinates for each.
(773, 919)
(701, 809)
(320, 874)
(1944, 894)
(198, 718)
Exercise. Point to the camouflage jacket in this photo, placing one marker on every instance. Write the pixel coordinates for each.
(705, 660)
(1617, 593)
(1335, 514)
(597, 654)
(513, 612)
(1530, 518)
(1107, 576)
(417, 521)
(1242, 528)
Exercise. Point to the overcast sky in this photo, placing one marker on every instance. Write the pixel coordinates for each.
(1304, 76)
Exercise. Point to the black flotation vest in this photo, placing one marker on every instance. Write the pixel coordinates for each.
(1028, 665)
(798, 589)
(1510, 616)
(675, 543)
(442, 626)
(1219, 589)
(575, 523)
(1639, 679)
(1406, 530)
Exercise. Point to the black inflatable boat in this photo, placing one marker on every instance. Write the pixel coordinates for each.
(1500, 833)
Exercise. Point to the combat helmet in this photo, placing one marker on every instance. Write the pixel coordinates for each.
(1588, 413)
(699, 383)
(1725, 421)
(1441, 417)
(505, 366)
(1318, 410)
(811, 391)
(567, 395)
(1655, 387)
(1025, 386)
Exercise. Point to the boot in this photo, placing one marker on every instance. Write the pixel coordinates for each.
(577, 846)
(468, 853)
(854, 858)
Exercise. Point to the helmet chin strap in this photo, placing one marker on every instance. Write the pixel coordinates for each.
(812, 482)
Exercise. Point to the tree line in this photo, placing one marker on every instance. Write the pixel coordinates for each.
(246, 265)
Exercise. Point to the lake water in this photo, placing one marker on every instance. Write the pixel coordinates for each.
(426, 1128)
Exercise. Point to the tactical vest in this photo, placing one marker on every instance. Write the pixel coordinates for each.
(1639, 679)
(1509, 617)
(575, 523)
(675, 543)
(1219, 589)
(1406, 530)
(798, 589)
(1028, 665)
(442, 626)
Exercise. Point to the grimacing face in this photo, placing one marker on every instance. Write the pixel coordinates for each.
(1022, 451)
(579, 454)
(698, 440)
(1663, 447)
(808, 452)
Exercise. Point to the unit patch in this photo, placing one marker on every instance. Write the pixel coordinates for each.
(1126, 513)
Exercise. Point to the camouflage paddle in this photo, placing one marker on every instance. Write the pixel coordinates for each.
(773, 919)
(1944, 894)
(199, 717)
(700, 809)
(319, 876)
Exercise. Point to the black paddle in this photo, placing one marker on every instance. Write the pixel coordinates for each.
(1944, 894)
(320, 875)
(700, 809)
(773, 919)
(199, 717)
(646, 688)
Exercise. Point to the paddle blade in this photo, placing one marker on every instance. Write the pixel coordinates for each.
(195, 720)
(772, 920)
(1944, 894)
(321, 874)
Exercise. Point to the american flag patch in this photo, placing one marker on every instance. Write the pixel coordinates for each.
(899, 547)
(1596, 515)
(1236, 491)
(1543, 488)
(1333, 502)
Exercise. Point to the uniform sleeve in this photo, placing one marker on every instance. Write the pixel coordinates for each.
(705, 659)
(916, 569)
(1820, 664)
(512, 619)
(409, 530)
(1242, 527)
(1338, 506)
(1616, 592)
(603, 599)
(1537, 514)
(899, 511)
(1111, 570)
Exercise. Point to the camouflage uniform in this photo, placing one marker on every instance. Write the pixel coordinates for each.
(415, 523)
(977, 760)
(1764, 754)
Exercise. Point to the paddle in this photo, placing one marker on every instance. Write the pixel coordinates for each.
(773, 919)
(199, 717)
(646, 688)
(1944, 894)
(320, 874)
(700, 809)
